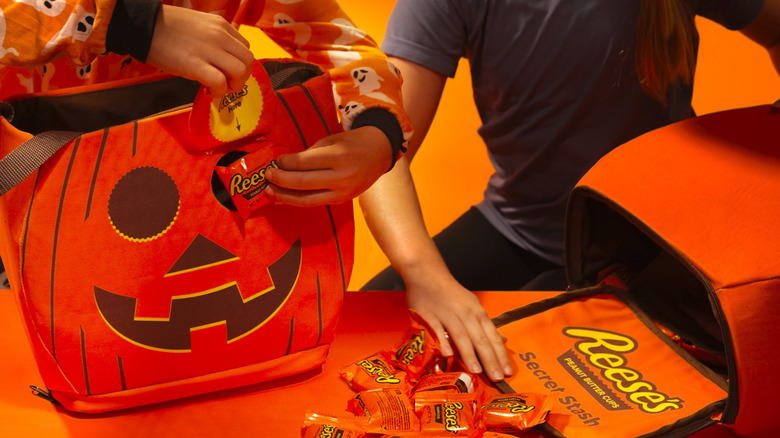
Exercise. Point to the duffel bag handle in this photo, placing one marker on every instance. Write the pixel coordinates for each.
(31, 155)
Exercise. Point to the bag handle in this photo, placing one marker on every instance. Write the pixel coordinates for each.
(31, 155)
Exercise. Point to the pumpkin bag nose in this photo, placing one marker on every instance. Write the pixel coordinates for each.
(200, 254)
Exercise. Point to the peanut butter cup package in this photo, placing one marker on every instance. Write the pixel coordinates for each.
(245, 113)
(318, 426)
(448, 382)
(417, 353)
(244, 178)
(446, 413)
(375, 372)
(512, 413)
(386, 410)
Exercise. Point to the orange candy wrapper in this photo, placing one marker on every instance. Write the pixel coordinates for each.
(375, 372)
(447, 382)
(387, 410)
(323, 426)
(244, 177)
(445, 413)
(248, 112)
(417, 353)
(512, 413)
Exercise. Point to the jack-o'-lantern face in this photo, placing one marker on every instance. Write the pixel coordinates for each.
(153, 279)
(142, 206)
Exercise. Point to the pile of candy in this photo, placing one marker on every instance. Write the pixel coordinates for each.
(414, 391)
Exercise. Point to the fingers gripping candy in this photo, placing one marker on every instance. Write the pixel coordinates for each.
(513, 413)
(245, 179)
(388, 410)
(374, 372)
(245, 113)
(323, 426)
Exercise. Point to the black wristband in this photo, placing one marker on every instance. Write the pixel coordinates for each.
(131, 29)
(386, 122)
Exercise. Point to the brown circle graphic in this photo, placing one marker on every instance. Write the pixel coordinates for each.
(143, 204)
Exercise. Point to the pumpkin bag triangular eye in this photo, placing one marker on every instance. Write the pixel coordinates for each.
(200, 254)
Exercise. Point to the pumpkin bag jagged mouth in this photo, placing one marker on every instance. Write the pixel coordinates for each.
(189, 313)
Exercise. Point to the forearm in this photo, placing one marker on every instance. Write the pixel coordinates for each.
(320, 32)
(393, 215)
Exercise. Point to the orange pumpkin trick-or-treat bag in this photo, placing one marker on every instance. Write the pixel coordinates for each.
(138, 279)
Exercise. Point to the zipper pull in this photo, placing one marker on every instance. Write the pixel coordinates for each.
(46, 395)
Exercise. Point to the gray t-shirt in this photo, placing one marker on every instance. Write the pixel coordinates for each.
(555, 87)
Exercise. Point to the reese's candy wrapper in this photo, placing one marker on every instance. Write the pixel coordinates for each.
(323, 426)
(247, 112)
(512, 413)
(418, 351)
(448, 382)
(441, 364)
(375, 372)
(445, 413)
(245, 179)
(387, 410)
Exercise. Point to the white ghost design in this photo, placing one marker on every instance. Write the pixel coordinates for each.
(302, 30)
(77, 28)
(51, 8)
(349, 33)
(3, 49)
(349, 112)
(367, 82)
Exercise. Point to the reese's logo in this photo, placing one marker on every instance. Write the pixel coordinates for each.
(607, 351)
(514, 405)
(452, 416)
(381, 373)
(230, 100)
(414, 347)
(240, 184)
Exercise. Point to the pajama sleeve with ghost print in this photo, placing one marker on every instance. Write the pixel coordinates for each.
(54, 44)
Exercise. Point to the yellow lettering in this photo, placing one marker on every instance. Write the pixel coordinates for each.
(603, 350)
(451, 416)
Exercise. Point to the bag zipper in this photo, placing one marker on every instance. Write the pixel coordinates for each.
(44, 394)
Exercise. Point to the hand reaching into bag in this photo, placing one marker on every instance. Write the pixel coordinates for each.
(333, 170)
(202, 47)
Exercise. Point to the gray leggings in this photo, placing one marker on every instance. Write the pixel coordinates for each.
(482, 259)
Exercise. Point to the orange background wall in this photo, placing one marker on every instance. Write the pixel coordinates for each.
(452, 168)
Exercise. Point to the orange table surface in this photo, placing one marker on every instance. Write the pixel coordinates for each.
(370, 321)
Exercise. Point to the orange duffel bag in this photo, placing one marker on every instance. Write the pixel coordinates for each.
(137, 279)
(672, 259)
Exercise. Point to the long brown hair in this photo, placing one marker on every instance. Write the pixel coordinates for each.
(664, 46)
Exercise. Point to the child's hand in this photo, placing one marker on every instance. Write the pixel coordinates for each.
(333, 170)
(201, 46)
(448, 307)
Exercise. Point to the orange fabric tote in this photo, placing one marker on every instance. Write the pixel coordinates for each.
(685, 219)
(138, 280)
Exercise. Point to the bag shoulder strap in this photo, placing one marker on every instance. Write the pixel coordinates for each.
(30, 155)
